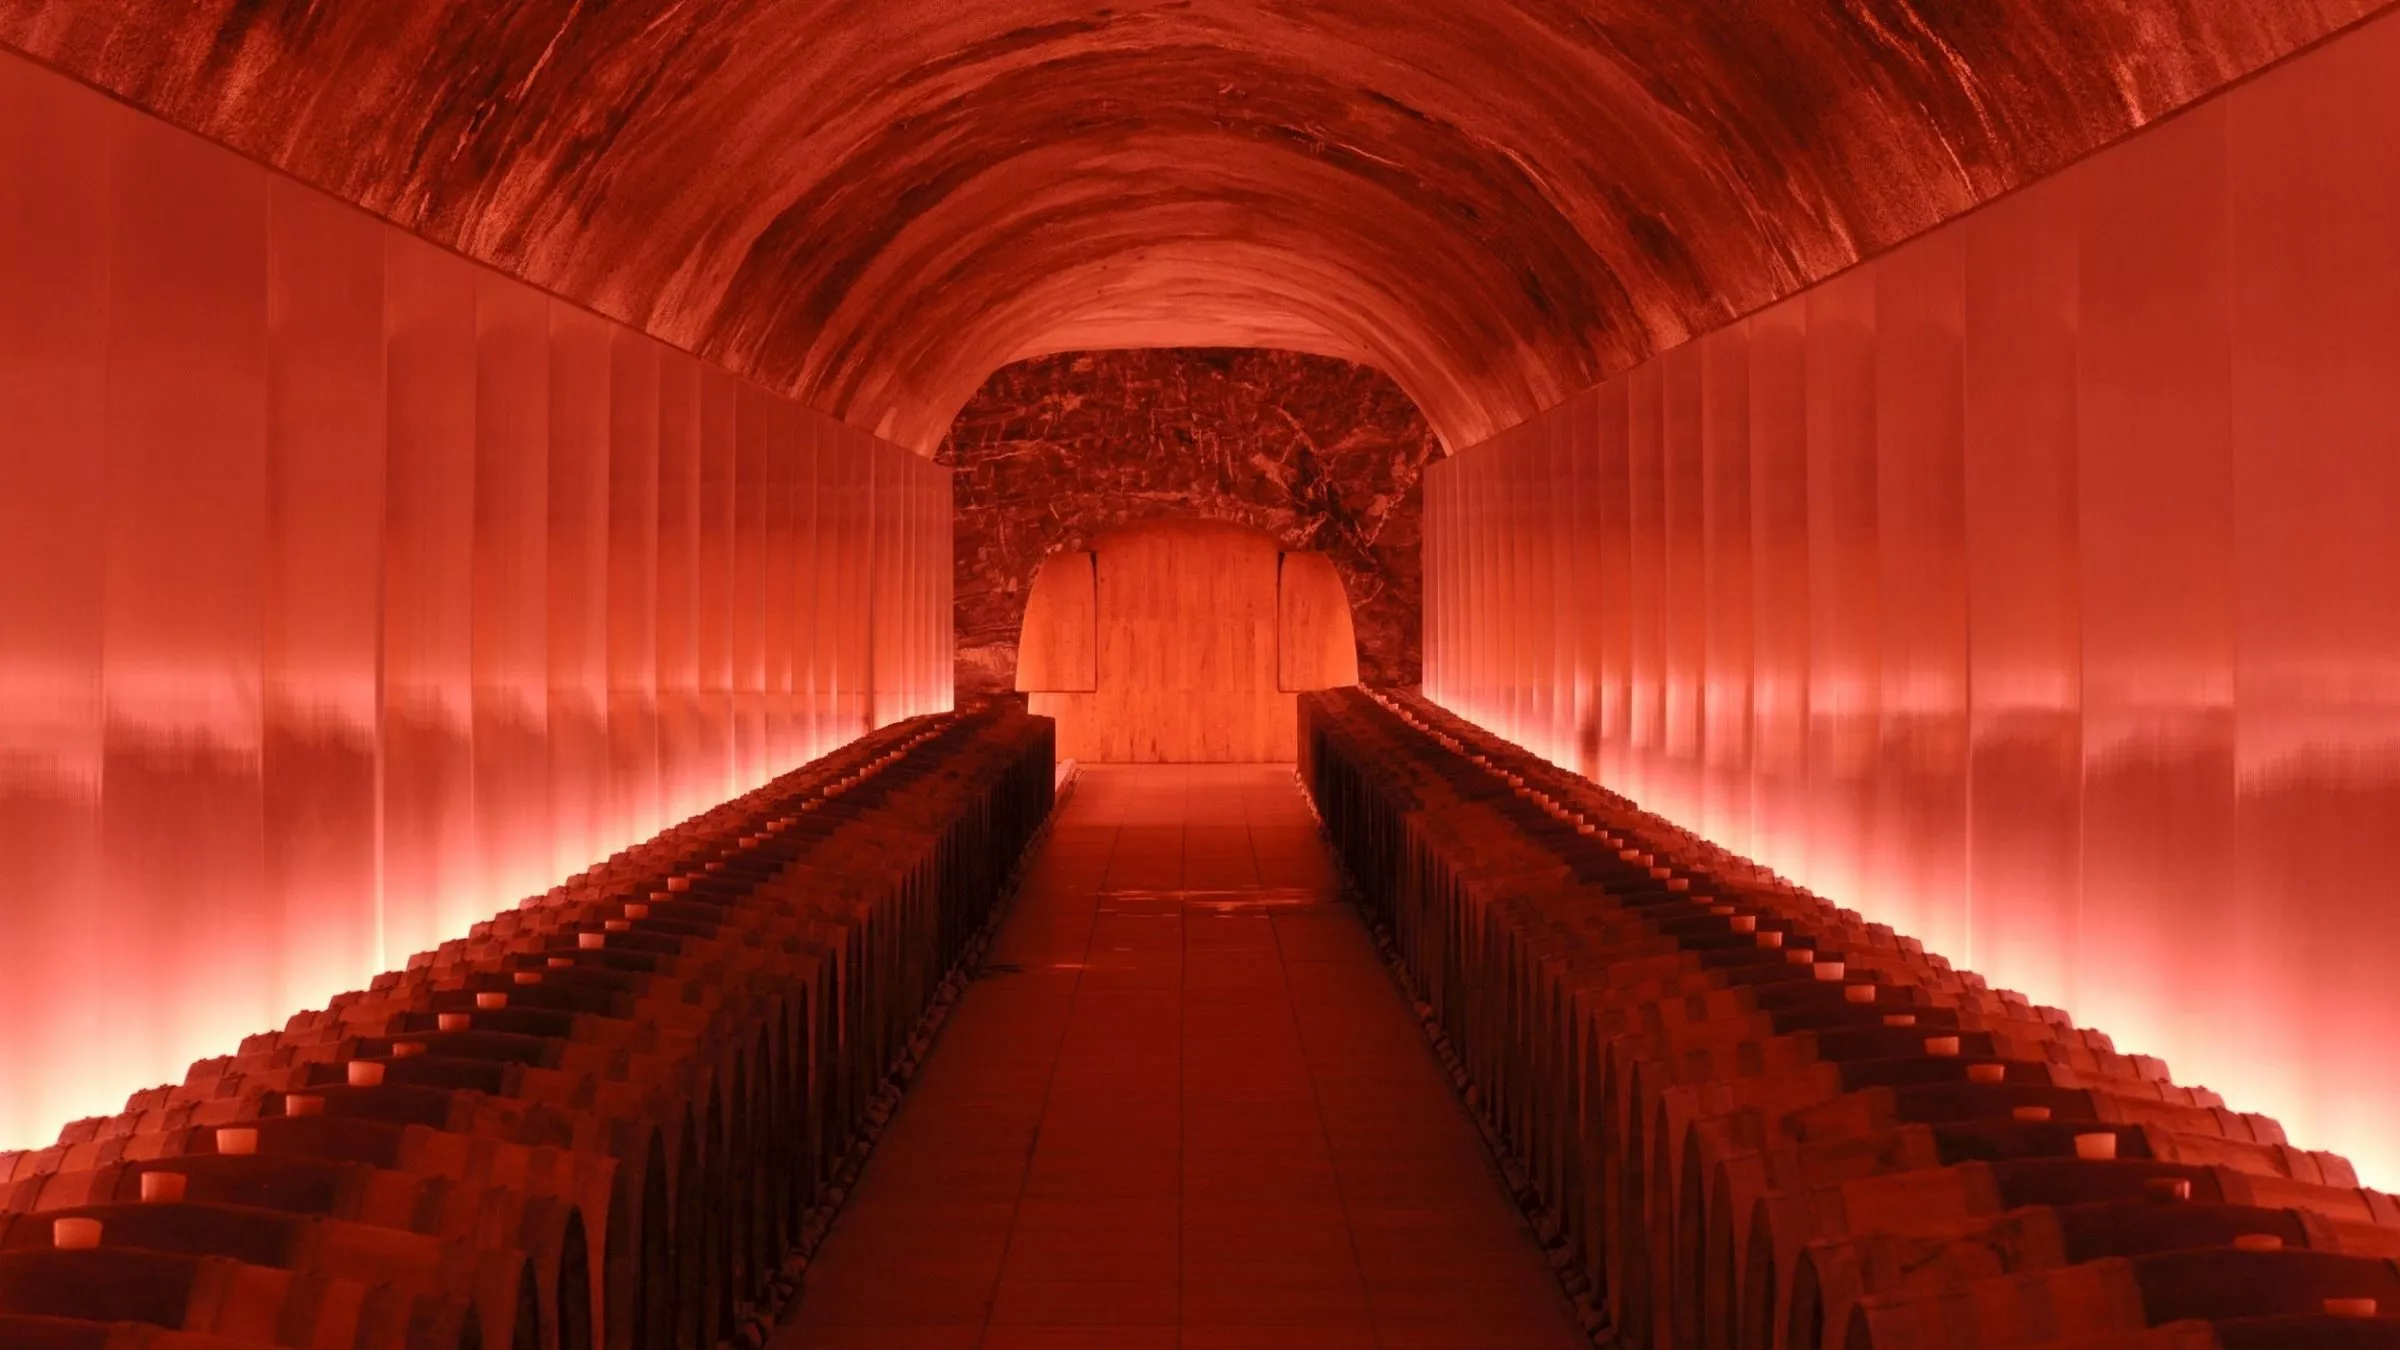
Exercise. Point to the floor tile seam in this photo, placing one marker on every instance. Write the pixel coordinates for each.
(1358, 1265)
(1341, 1185)
(1183, 1086)
(1258, 867)
(1481, 1159)
(1016, 1209)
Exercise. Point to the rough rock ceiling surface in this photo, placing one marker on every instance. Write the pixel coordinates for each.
(874, 205)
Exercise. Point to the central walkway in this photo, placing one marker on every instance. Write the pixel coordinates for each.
(1184, 1107)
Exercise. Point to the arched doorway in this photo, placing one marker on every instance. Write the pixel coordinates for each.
(1183, 641)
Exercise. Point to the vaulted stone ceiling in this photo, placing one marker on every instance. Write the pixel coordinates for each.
(875, 203)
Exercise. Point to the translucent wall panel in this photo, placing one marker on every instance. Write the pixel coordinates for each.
(634, 594)
(723, 753)
(349, 592)
(324, 587)
(54, 270)
(1612, 594)
(853, 538)
(808, 563)
(1530, 691)
(2315, 414)
(2031, 588)
(577, 605)
(2157, 560)
(1916, 841)
(1579, 564)
(182, 889)
(1844, 667)
(883, 540)
(684, 744)
(1646, 580)
(777, 608)
(632, 587)
(1683, 621)
(510, 557)
(747, 503)
(1779, 559)
(1727, 585)
(2023, 613)
(1560, 595)
(430, 862)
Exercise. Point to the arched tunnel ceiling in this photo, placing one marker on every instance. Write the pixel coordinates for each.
(873, 205)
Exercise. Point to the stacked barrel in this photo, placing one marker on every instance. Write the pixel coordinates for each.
(615, 1116)
(1746, 1118)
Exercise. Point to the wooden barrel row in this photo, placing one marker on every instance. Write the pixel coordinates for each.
(1748, 1118)
(609, 1117)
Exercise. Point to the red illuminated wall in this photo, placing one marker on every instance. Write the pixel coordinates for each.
(350, 591)
(2034, 587)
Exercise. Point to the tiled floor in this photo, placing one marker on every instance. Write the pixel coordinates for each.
(1186, 1108)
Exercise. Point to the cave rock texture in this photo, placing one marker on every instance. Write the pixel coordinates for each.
(1323, 454)
(873, 206)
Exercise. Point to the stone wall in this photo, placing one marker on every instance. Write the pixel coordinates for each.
(1323, 454)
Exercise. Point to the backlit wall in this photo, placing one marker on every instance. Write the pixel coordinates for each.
(350, 591)
(2034, 587)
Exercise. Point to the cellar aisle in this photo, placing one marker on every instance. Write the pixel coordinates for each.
(1184, 1107)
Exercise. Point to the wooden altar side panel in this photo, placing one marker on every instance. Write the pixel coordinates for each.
(1060, 649)
(1317, 648)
